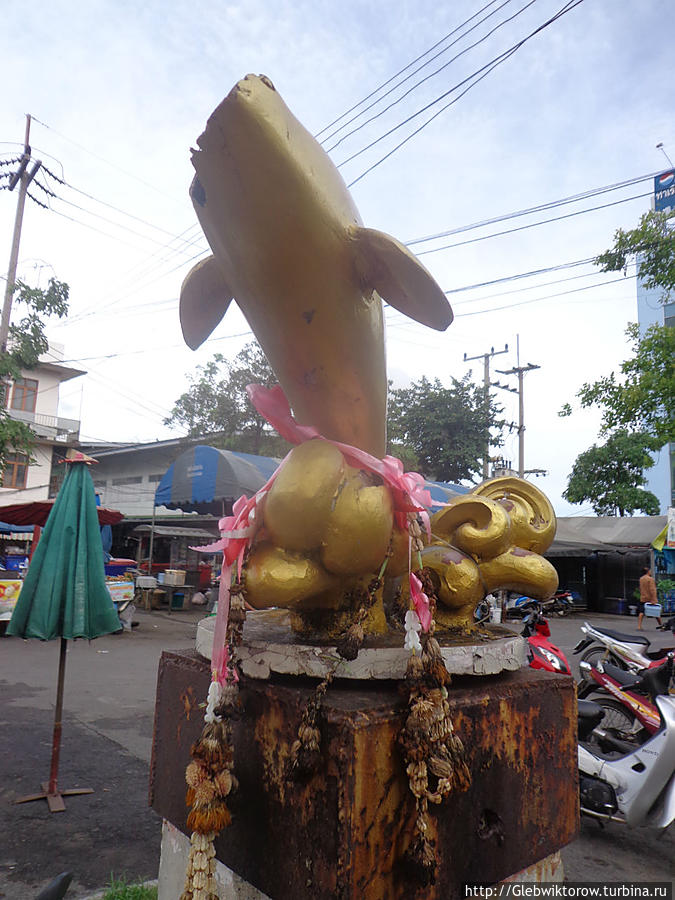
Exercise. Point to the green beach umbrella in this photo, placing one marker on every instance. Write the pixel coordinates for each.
(64, 594)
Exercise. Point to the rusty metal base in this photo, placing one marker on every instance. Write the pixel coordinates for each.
(54, 800)
(344, 833)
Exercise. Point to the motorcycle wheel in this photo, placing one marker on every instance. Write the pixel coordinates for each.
(619, 721)
(598, 653)
(482, 612)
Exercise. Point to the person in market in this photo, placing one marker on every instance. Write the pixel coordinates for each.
(647, 595)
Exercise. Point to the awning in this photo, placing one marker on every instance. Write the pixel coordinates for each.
(443, 492)
(171, 531)
(206, 480)
(583, 535)
(16, 531)
(37, 513)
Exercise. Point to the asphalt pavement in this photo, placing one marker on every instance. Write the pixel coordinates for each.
(107, 735)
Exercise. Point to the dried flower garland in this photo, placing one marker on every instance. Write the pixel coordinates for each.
(209, 775)
(434, 755)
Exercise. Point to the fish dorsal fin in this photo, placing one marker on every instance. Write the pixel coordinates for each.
(204, 298)
(400, 279)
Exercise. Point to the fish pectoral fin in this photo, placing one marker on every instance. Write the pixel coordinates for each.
(204, 298)
(400, 279)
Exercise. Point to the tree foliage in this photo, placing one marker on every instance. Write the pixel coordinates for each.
(443, 432)
(653, 245)
(611, 476)
(27, 341)
(216, 403)
(643, 397)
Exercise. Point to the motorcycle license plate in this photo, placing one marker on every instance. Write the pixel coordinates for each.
(583, 643)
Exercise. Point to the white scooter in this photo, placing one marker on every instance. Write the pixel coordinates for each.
(627, 651)
(638, 787)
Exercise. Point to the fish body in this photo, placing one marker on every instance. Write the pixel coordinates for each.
(290, 248)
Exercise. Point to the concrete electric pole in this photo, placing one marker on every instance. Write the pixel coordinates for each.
(486, 357)
(23, 178)
(520, 372)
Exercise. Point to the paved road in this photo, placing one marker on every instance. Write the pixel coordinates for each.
(108, 720)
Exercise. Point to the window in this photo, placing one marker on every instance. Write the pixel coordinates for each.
(131, 479)
(156, 478)
(24, 395)
(15, 471)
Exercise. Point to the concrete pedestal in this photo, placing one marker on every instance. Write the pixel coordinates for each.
(343, 834)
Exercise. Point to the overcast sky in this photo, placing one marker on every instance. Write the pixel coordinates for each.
(120, 92)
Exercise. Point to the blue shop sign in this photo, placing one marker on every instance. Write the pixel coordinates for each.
(664, 191)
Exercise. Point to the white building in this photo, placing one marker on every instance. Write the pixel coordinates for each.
(34, 399)
(127, 475)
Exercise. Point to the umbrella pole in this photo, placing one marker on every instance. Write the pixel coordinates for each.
(56, 738)
(50, 791)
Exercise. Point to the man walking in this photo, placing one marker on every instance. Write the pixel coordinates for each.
(647, 594)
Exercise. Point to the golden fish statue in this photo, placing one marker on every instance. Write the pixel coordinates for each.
(289, 247)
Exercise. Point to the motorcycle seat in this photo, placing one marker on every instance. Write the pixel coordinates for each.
(589, 715)
(620, 675)
(624, 638)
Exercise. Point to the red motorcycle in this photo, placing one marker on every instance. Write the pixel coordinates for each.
(630, 711)
(542, 653)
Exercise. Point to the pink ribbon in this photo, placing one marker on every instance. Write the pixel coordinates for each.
(219, 654)
(407, 488)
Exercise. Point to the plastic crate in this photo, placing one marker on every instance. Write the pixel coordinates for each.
(146, 581)
(174, 577)
(652, 609)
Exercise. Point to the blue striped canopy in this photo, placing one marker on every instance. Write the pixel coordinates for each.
(207, 480)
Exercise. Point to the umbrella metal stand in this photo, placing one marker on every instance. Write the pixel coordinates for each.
(50, 791)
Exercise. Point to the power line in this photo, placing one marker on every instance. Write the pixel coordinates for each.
(552, 204)
(104, 160)
(485, 70)
(518, 228)
(426, 78)
(401, 71)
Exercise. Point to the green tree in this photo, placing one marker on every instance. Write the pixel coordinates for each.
(643, 397)
(610, 477)
(216, 403)
(27, 341)
(652, 243)
(443, 432)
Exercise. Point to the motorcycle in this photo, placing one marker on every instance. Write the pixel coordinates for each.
(626, 651)
(628, 712)
(560, 604)
(542, 653)
(563, 603)
(637, 788)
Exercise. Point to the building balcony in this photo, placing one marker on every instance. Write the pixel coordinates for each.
(52, 428)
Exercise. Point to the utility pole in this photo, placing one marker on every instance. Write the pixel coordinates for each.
(486, 357)
(520, 372)
(23, 178)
